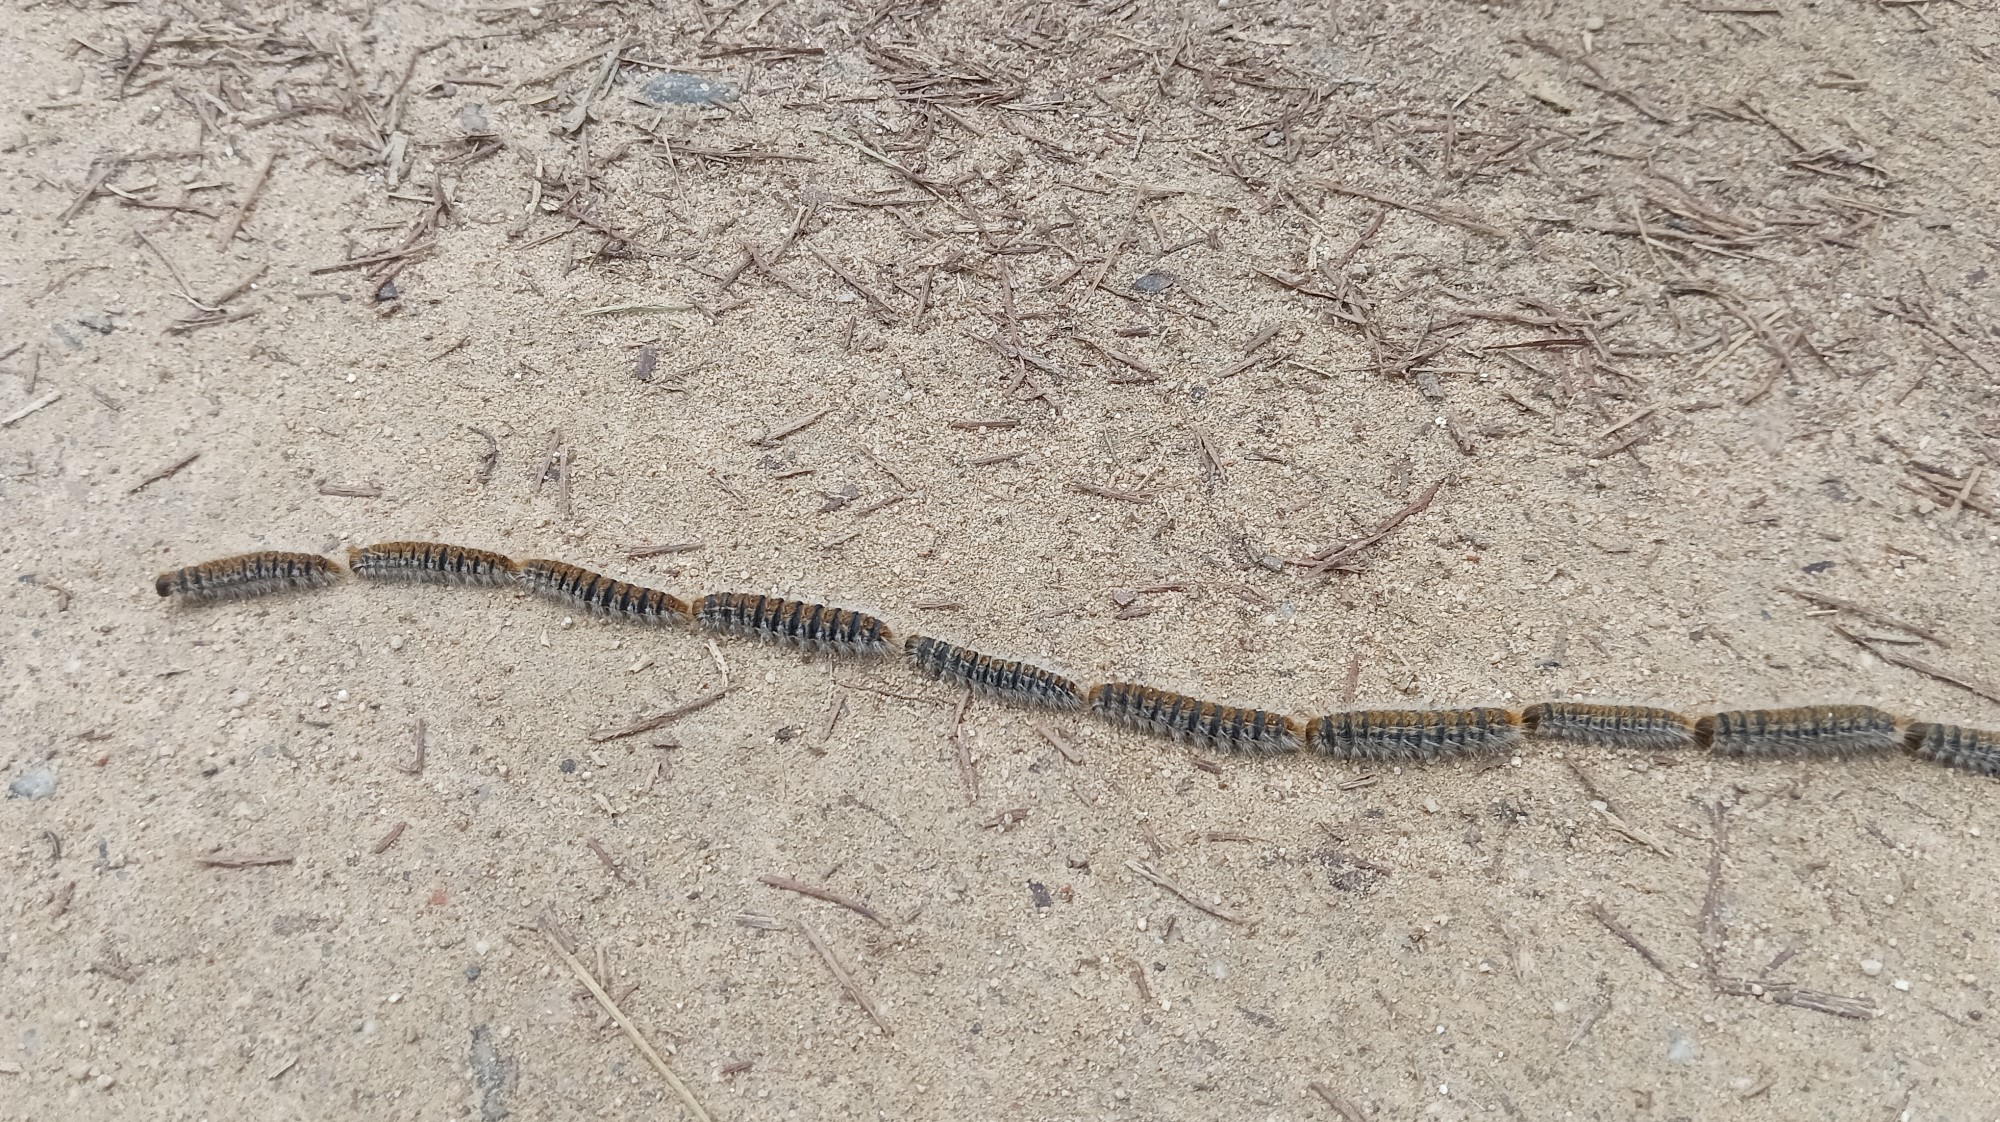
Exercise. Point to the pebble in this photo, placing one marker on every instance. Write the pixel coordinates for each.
(1680, 1048)
(472, 120)
(672, 88)
(1154, 282)
(1871, 966)
(395, 642)
(35, 783)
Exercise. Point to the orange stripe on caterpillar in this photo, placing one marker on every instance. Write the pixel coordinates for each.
(1007, 679)
(431, 563)
(1226, 727)
(1954, 746)
(595, 592)
(795, 623)
(1814, 730)
(247, 574)
(1618, 726)
(1405, 735)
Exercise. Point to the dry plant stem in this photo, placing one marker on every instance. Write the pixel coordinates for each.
(243, 208)
(1341, 1105)
(1612, 925)
(845, 977)
(1871, 615)
(599, 736)
(638, 1038)
(1147, 872)
(788, 884)
(1324, 561)
(1966, 682)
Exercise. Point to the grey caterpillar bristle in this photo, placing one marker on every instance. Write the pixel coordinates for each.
(795, 623)
(1411, 735)
(1954, 746)
(1006, 679)
(247, 574)
(431, 563)
(1227, 728)
(1615, 726)
(595, 592)
(1828, 731)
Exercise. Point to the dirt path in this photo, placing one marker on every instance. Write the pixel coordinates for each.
(1077, 332)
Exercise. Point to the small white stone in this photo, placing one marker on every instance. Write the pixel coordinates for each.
(1431, 806)
(395, 642)
(1871, 966)
(340, 695)
(1902, 984)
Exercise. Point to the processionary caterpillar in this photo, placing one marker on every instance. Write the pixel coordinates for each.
(1227, 727)
(1003, 678)
(1816, 730)
(1973, 750)
(431, 563)
(1404, 735)
(1375, 735)
(795, 623)
(248, 574)
(1615, 726)
(595, 592)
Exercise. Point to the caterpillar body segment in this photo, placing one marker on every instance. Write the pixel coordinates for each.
(795, 623)
(1412, 735)
(1954, 746)
(595, 592)
(432, 563)
(1227, 728)
(247, 574)
(1003, 678)
(1615, 726)
(1827, 731)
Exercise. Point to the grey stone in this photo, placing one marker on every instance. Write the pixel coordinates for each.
(1154, 282)
(675, 88)
(34, 783)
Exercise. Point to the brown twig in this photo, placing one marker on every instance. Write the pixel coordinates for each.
(1825, 600)
(243, 208)
(788, 884)
(244, 860)
(1326, 559)
(1161, 879)
(1435, 214)
(167, 472)
(968, 771)
(604, 855)
(845, 977)
(632, 1032)
(599, 736)
(1612, 925)
(1966, 682)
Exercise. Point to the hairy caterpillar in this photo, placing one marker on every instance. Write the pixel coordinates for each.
(248, 574)
(1618, 726)
(1973, 750)
(795, 623)
(431, 563)
(595, 592)
(1006, 679)
(1403, 735)
(1816, 730)
(1227, 727)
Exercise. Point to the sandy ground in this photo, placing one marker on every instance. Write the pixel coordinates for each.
(1098, 320)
